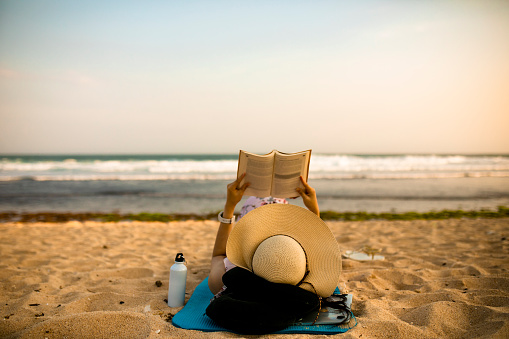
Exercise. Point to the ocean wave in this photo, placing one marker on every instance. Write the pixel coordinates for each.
(318, 163)
(115, 166)
(133, 177)
(231, 176)
(349, 163)
(213, 168)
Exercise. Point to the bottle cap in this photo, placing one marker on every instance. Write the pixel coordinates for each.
(180, 257)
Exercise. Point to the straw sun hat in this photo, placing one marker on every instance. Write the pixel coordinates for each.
(287, 244)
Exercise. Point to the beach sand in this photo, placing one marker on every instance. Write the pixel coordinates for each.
(446, 279)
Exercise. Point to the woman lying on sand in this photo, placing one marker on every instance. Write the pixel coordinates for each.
(274, 266)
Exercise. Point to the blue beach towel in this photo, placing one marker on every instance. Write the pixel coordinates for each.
(193, 317)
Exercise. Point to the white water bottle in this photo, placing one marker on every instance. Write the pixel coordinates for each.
(177, 285)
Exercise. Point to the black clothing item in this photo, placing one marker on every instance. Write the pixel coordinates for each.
(253, 305)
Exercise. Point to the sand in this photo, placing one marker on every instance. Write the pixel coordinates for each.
(445, 279)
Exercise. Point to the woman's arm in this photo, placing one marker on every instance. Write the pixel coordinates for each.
(308, 195)
(234, 195)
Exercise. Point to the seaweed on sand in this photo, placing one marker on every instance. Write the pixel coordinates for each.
(501, 212)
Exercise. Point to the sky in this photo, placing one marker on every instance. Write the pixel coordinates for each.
(346, 76)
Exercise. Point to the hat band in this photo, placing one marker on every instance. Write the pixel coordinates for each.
(305, 275)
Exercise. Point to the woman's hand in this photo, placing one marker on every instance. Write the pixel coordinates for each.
(308, 195)
(234, 195)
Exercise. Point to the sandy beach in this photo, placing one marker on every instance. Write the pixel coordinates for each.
(439, 279)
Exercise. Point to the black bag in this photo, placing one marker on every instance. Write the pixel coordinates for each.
(253, 305)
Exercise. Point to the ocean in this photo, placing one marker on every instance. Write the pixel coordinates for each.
(196, 183)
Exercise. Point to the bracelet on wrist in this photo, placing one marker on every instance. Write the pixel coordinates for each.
(224, 220)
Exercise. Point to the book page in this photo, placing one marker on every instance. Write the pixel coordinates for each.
(287, 171)
(258, 169)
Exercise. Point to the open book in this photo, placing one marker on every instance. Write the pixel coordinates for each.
(275, 174)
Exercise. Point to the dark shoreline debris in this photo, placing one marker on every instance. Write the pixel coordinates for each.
(57, 217)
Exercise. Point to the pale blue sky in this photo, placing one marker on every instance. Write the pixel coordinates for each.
(217, 76)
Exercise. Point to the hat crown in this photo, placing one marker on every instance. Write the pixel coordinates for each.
(280, 259)
(322, 253)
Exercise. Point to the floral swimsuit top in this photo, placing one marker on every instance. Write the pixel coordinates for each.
(255, 202)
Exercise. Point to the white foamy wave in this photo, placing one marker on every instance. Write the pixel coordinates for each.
(150, 166)
(223, 166)
(321, 167)
(117, 177)
(351, 163)
(198, 177)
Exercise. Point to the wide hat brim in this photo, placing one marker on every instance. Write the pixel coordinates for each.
(320, 246)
